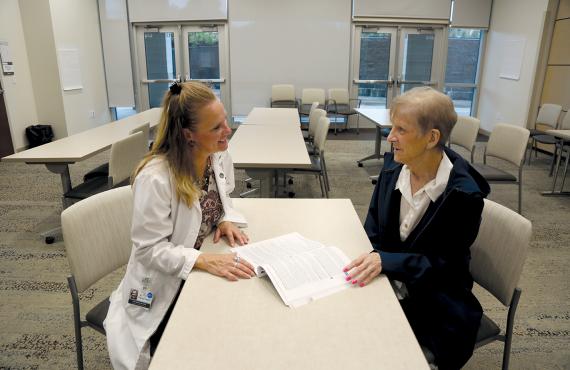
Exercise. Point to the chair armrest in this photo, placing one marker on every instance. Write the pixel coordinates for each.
(328, 103)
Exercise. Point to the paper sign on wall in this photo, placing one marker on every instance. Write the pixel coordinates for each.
(70, 69)
(513, 52)
(6, 57)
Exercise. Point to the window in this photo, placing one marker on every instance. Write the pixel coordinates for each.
(462, 69)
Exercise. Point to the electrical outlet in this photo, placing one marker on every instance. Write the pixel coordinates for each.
(91, 114)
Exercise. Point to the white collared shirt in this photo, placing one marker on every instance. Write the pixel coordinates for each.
(413, 207)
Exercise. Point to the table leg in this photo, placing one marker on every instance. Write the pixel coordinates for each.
(63, 171)
(377, 148)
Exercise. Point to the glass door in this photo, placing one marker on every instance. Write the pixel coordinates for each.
(388, 61)
(375, 66)
(416, 65)
(204, 58)
(158, 62)
(181, 52)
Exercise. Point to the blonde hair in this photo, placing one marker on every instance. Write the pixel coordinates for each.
(430, 108)
(180, 108)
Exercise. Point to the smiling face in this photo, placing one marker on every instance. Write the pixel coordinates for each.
(410, 143)
(211, 133)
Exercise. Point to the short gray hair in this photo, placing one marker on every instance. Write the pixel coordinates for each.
(430, 108)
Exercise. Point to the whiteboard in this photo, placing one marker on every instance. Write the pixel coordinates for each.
(304, 43)
(513, 51)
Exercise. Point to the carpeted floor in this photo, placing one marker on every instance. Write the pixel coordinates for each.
(35, 310)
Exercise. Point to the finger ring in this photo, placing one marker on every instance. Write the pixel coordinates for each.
(235, 264)
(236, 258)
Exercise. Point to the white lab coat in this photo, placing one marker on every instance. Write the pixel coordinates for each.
(163, 232)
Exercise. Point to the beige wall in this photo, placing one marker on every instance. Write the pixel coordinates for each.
(504, 100)
(18, 92)
(556, 87)
(40, 45)
(35, 30)
(76, 26)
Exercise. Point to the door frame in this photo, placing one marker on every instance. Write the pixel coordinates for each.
(438, 61)
(141, 93)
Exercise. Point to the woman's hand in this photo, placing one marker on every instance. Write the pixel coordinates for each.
(225, 265)
(362, 270)
(231, 232)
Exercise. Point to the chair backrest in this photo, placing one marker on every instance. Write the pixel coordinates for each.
(97, 235)
(340, 96)
(499, 252)
(125, 155)
(314, 120)
(282, 93)
(308, 96)
(508, 142)
(548, 114)
(321, 133)
(144, 128)
(465, 132)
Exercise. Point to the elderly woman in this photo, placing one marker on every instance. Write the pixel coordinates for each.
(181, 194)
(424, 215)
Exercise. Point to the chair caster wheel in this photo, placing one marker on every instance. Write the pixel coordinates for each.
(49, 239)
(290, 182)
(248, 185)
(291, 194)
(374, 182)
(360, 164)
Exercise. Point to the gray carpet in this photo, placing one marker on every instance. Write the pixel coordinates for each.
(35, 309)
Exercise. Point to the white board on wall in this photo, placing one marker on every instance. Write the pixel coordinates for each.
(304, 43)
(513, 51)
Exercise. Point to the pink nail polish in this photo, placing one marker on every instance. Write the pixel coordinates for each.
(345, 269)
(348, 278)
(354, 281)
(361, 284)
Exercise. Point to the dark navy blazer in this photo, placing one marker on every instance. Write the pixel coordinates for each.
(433, 261)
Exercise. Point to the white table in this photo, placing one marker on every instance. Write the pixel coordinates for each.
(264, 150)
(381, 118)
(273, 116)
(218, 324)
(563, 137)
(59, 154)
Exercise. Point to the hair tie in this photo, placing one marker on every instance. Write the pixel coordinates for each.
(175, 88)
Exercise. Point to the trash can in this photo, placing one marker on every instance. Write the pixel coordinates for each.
(38, 135)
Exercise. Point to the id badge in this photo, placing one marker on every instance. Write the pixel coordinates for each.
(142, 297)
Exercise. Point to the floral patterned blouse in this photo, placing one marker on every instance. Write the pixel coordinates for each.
(211, 205)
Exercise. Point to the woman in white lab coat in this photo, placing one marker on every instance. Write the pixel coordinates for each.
(181, 194)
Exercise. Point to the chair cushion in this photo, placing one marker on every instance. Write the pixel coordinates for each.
(284, 104)
(494, 174)
(488, 330)
(534, 132)
(88, 188)
(545, 139)
(101, 171)
(343, 109)
(97, 314)
(311, 148)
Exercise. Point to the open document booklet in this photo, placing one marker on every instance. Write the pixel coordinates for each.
(301, 270)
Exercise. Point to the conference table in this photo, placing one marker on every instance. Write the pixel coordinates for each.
(273, 116)
(217, 324)
(563, 137)
(268, 144)
(59, 154)
(381, 119)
